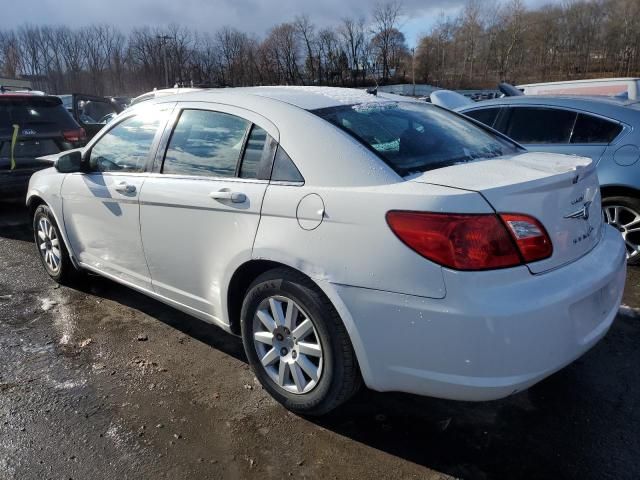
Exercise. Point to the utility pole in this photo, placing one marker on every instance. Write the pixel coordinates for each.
(163, 39)
(413, 70)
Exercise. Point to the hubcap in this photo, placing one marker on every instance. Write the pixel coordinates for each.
(287, 344)
(628, 224)
(49, 245)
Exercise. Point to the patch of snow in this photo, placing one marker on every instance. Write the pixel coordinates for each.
(628, 311)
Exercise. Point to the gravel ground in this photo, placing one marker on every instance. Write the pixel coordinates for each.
(103, 382)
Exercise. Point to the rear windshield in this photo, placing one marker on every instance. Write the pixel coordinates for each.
(32, 111)
(413, 138)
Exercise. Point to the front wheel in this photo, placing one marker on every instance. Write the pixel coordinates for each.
(297, 344)
(51, 248)
(623, 213)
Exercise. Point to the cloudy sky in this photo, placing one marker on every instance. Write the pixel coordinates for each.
(253, 16)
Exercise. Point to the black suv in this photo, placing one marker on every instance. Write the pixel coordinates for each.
(31, 126)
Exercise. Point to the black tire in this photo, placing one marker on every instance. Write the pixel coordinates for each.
(66, 274)
(340, 377)
(631, 204)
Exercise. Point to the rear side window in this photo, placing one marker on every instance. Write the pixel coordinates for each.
(126, 146)
(590, 129)
(540, 125)
(484, 115)
(253, 152)
(284, 170)
(205, 143)
(412, 137)
(31, 112)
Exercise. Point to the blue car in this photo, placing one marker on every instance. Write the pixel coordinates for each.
(604, 128)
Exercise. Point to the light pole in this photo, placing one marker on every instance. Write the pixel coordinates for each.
(164, 39)
(413, 66)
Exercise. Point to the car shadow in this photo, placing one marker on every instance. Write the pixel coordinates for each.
(578, 423)
(200, 330)
(15, 223)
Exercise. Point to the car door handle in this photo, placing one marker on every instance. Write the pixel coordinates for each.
(125, 187)
(235, 197)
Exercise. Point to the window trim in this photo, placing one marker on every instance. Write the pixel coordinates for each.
(243, 148)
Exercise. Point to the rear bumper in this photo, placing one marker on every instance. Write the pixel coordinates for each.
(494, 333)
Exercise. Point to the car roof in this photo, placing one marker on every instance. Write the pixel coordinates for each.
(305, 97)
(30, 96)
(560, 100)
(582, 81)
(619, 108)
(318, 147)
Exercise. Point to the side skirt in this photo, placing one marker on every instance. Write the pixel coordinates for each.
(172, 303)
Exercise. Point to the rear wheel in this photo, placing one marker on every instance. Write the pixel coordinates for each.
(51, 248)
(297, 344)
(623, 213)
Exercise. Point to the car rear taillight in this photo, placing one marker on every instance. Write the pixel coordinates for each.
(76, 135)
(470, 241)
(530, 236)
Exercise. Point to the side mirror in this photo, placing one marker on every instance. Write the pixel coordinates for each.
(70, 162)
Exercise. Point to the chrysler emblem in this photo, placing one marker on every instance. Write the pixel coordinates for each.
(582, 213)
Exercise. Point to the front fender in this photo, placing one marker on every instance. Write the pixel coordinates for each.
(45, 187)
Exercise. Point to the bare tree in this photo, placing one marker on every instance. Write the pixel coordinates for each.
(480, 45)
(385, 23)
(306, 30)
(354, 38)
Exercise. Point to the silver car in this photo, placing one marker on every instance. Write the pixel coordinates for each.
(603, 128)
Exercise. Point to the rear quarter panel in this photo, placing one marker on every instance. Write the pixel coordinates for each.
(353, 245)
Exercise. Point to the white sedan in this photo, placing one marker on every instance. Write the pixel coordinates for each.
(347, 237)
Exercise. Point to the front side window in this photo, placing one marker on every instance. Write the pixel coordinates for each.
(590, 129)
(125, 148)
(205, 143)
(411, 137)
(538, 125)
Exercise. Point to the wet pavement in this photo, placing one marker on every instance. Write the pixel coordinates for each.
(101, 382)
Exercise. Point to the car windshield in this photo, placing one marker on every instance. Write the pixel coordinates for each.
(413, 138)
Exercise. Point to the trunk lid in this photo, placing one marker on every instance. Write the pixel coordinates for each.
(561, 191)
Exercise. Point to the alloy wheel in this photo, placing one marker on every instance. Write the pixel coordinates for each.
(287, 344)
(627, 222)
(49, 245)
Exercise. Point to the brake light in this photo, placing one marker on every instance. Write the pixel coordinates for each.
(471, 241)
(76, 135)
(530, 236)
